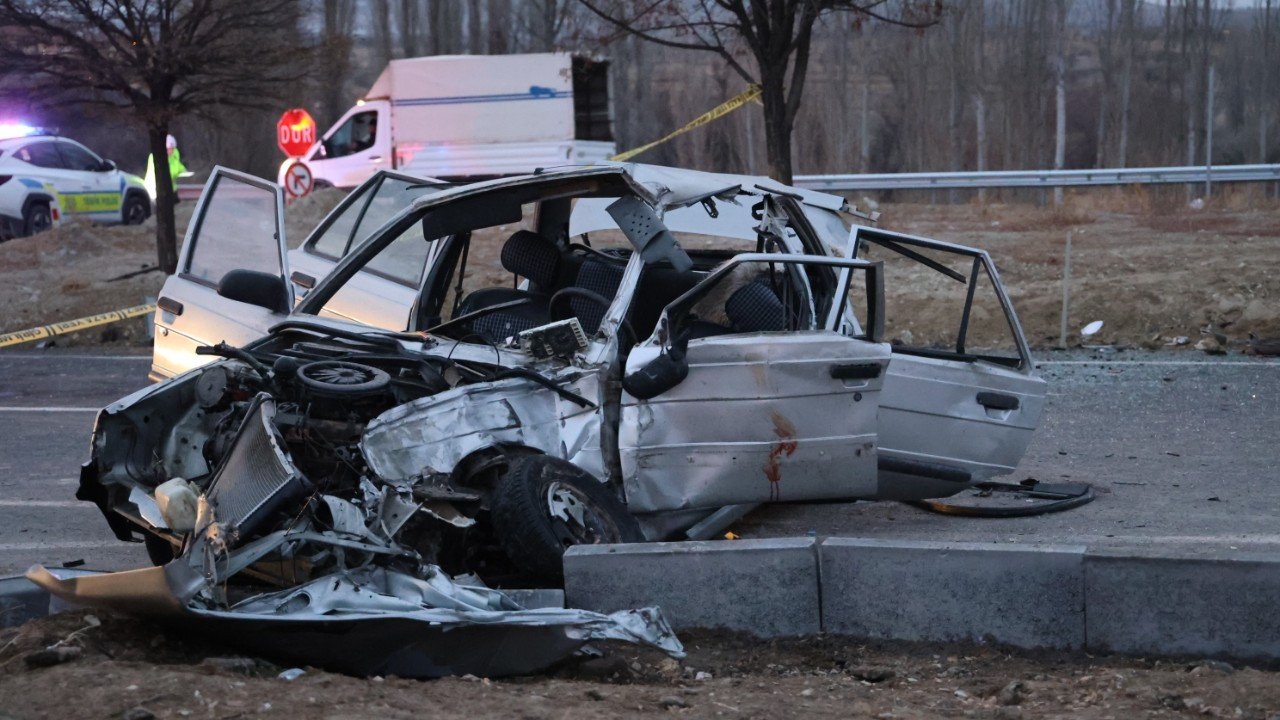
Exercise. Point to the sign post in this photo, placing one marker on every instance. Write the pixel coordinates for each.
(297, 180)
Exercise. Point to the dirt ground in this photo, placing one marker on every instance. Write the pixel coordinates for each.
(1151, 269)
(128, 669)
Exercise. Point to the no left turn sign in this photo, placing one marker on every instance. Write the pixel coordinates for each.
(297, 180)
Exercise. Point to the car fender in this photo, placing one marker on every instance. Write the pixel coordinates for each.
(432, 435)
(47, 197)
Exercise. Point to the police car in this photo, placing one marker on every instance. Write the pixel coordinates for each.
(45, 180)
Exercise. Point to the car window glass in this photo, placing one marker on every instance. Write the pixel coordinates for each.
(356, 134)
(41, 154)
(237, 231)
(77, 158)
(404, 259)
(333, 242)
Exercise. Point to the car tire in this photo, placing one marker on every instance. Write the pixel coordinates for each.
(36, 218)
(543, 505)
(136, 210)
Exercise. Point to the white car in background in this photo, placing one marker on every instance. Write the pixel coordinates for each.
(45, 180)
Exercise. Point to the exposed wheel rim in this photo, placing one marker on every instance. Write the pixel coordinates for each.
(574, 518)
(342, 378)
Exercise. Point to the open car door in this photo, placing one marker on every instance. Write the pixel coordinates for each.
(780, 405)
(231, 281)
(961, 399)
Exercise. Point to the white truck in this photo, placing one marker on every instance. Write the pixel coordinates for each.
(470, 116)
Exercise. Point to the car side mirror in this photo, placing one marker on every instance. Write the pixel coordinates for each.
(255, 288)
(106, 166)
(658, 375)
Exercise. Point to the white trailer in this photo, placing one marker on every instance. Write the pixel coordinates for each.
(470, 116)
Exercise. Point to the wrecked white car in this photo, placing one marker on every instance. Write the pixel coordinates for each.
(669, 349)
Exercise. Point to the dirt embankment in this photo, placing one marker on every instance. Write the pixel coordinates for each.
(127, 666)
(1151, 274)
(80, 269)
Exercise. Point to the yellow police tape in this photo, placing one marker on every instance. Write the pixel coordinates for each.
(47, 331)
(728, 106)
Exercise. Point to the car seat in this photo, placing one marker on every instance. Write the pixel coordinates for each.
(529, 255)
(755, 307)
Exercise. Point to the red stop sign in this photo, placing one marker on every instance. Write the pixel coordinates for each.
(296, 132)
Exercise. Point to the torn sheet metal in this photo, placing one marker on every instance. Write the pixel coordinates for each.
(374, 622)
(433, 434)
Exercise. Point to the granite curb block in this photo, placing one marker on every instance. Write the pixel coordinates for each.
(1029, 597)
(768, 588)
(1214, 603)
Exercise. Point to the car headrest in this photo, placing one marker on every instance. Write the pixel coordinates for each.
(530, 255)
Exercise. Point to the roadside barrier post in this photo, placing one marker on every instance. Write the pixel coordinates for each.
(1066, 294)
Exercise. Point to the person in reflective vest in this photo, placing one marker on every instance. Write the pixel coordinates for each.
(176, 168)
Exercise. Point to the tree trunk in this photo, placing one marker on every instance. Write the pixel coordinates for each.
(166, 226)
(1264, 98)
(864, 125)
(475, 28)
(499, 22)
(777, 127)
(980, 128)
(1060, 94)
(1127, 25)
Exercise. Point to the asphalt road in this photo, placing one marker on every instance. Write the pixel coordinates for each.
(1183, 449)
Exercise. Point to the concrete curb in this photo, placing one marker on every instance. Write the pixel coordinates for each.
(1215, 604)
(768, 588)
(1024, 597)
(1054, 597)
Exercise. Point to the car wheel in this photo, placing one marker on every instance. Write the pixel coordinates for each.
(542, 505)
(36, 218)
(136, 210)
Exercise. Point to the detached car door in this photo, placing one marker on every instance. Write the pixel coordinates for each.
(231, 281)
(961, 399)
(777, 406)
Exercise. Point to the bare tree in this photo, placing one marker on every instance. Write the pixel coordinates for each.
(336, 18)
(776, 34)
(156, 59)
(1060, 93)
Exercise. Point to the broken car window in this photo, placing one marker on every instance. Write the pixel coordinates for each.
(928, 282)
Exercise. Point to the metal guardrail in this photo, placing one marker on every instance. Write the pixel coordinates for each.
(1005, 178)
(1040, 178)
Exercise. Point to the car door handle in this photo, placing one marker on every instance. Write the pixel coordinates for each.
(302, 279)
(856, 371)
(998, 401)
(375, 158)
(169, 305)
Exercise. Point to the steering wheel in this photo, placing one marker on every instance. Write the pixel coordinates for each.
(559, 309)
